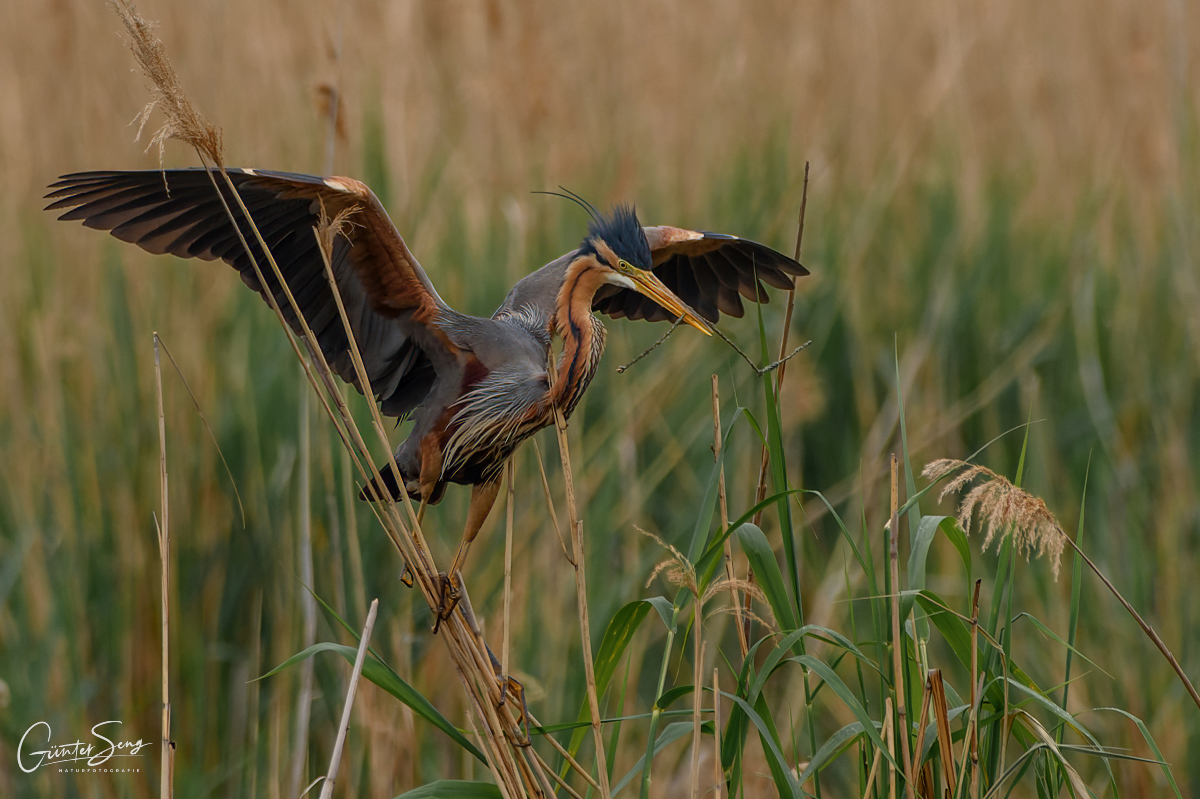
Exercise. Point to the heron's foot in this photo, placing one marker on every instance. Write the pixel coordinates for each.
(407, 577)
(510, 685)
(450, 595)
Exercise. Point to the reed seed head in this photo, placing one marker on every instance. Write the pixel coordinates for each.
(184, 122)
(1003, 508)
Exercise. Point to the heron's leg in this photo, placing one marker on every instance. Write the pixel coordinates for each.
(483, 496)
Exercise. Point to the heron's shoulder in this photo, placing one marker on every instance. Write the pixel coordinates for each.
(539, 289)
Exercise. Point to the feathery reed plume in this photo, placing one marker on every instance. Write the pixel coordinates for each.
(1004, 508)
(1035, 526)
(184, 122)
(678, 570)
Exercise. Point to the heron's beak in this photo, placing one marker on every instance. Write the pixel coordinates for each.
(646, 283)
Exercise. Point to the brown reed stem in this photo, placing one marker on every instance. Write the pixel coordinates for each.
(897, 641)
(511, 476)
(718, 772)
(890, 739)
(308, 602)
(1146, 628)
(166, 776)
(585, 632)
(975, 690)
(730, 571)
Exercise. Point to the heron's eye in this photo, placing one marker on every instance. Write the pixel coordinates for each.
(624, 266)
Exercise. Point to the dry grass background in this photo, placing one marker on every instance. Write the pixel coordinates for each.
(1082, 113)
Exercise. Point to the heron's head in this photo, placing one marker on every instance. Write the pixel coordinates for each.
(618, 245)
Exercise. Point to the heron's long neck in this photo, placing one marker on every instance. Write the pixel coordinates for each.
(583, 336)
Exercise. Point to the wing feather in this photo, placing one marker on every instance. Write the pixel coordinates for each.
(708, 271)
(392, 306)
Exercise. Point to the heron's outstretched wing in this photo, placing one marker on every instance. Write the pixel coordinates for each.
(708, 271)
(389, 299)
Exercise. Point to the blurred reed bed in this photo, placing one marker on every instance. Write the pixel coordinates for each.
(999, 199)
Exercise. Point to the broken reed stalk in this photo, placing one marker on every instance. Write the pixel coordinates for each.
(512, 768)
(166, 775)
(897, 641)
(336, 758)
(585, 632)
(922, 722)
(941, 715)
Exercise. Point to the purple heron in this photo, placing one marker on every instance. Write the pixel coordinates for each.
(474, 387)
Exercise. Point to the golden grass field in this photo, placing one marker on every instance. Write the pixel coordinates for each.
(1002, 199)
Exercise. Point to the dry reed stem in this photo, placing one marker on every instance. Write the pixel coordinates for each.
(730, 571)
(897, 641)
(550, 504)
(560, 427)
(166, 776)
(875, 761)
(511, 474)
(237, 495)
(718, 772)
(975, 693)
(760, 492)
(566, 786)
(509, 771)
(890, 740)
(308, 602)
(336, 758)
(567, 756)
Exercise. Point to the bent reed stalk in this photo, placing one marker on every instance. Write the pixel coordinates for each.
(517, 769)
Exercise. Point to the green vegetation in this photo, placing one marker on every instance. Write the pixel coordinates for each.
(1066, 300)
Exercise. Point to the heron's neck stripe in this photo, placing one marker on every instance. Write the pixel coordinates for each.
(577, 326)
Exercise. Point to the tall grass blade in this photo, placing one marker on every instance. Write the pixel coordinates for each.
(378, 673)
